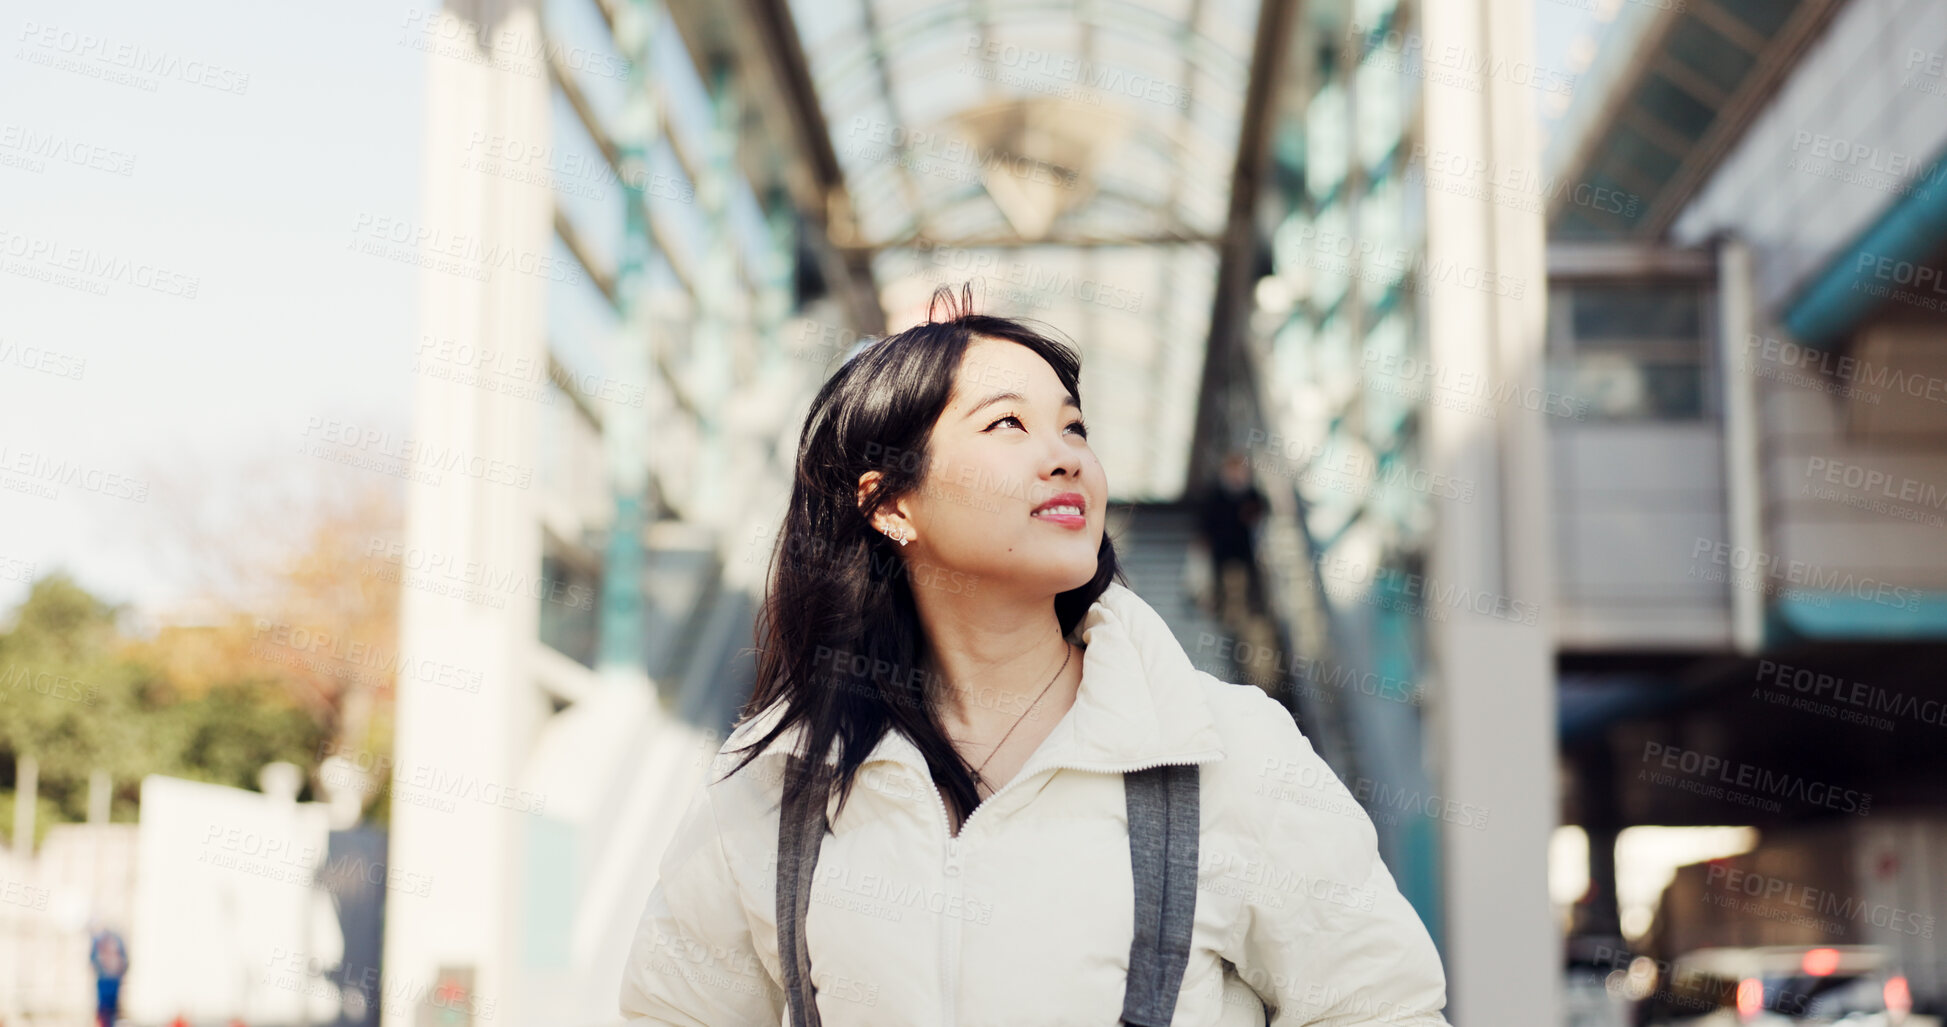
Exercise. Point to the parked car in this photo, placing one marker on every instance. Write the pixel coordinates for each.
(1789, 986)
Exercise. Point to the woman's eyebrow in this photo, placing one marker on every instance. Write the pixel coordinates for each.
(1068, 399)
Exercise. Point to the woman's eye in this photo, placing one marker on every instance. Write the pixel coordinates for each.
(1076, 426)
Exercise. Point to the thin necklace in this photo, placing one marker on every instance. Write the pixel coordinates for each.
(1069, 649)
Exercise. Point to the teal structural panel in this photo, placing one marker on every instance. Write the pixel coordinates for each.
(1862, 276)
(626, 444)
(1890, 614)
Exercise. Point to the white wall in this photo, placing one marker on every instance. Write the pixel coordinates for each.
(1855, 465)
(226, 922)
(1631, 499)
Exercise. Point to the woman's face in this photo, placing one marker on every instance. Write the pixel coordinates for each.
(1011, 439)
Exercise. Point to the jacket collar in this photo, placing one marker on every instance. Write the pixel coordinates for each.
(1141, 702)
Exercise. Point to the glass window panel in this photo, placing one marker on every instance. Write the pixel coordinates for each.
(893, 14)
(1388, 258)
(662, 277)
(672, 318)
(572, 459)
(570, 602)
(881, 217)
(1231, 25)
(1368, 13)
(1637, 312)
(1618, 386)
(854, 94)
(581, 37)
(937, 77)
(1381, 112)
(684, 95)
(1632, 350)
(581, 323)
(1329, 256)
(972, 218)
(1328, 142)
(585, 185)
(680, 223)
(861, 123)
(1337, 367)
(1130, 69)
(1216, 92)
(821, 22)
(1389, 397)
(1291, 355)
(748, 225)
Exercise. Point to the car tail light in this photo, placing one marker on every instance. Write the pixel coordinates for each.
(1898, 998)
(1750, 998)
(1820, 962)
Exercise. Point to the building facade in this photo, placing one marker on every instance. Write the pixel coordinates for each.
(1751, 518)
(624, 293)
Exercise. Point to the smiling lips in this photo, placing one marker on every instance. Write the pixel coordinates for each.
(1065, 509)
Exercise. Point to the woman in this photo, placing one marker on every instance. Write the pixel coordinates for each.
(945, 621)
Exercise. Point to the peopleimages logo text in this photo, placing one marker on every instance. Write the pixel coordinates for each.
(1739, 774)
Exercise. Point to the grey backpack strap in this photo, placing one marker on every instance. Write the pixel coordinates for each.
(1163, 830)
(800, 831)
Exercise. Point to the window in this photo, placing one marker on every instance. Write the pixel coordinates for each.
(570, 601)
(1632, 350)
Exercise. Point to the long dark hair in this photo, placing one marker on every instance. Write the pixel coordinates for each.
(838, 637)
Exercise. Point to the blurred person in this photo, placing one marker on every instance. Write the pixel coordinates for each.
(109, 957)
(946, 621)
(1228, 522)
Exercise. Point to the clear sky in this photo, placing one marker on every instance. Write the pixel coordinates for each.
(1566, 35)
(234, 163)
(224, 146)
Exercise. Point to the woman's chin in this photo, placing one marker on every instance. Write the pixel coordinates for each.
(1066, 575)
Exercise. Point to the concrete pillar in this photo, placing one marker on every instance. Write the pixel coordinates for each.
(1491, 700)
(1743, 482)
(470, 559)
(1599, 915)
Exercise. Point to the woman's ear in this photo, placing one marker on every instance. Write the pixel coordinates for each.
(889, 522)
(867, 482)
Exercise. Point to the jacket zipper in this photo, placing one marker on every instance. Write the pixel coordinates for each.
(950, 941)
(950, 927)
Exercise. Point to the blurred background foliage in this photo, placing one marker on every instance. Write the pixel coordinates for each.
(287, 655)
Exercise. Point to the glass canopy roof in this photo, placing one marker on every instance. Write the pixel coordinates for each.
(1676, 81)
(1072, 159)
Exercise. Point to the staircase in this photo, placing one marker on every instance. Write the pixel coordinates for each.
(1153, 543)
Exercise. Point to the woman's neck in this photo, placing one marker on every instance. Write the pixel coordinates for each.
(987, 665)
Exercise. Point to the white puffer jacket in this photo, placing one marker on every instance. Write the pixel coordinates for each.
(1026, 918)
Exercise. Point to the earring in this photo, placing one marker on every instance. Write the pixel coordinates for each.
(899, 537)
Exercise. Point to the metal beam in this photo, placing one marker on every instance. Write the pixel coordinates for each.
(1014, 242)
(1225, 358)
